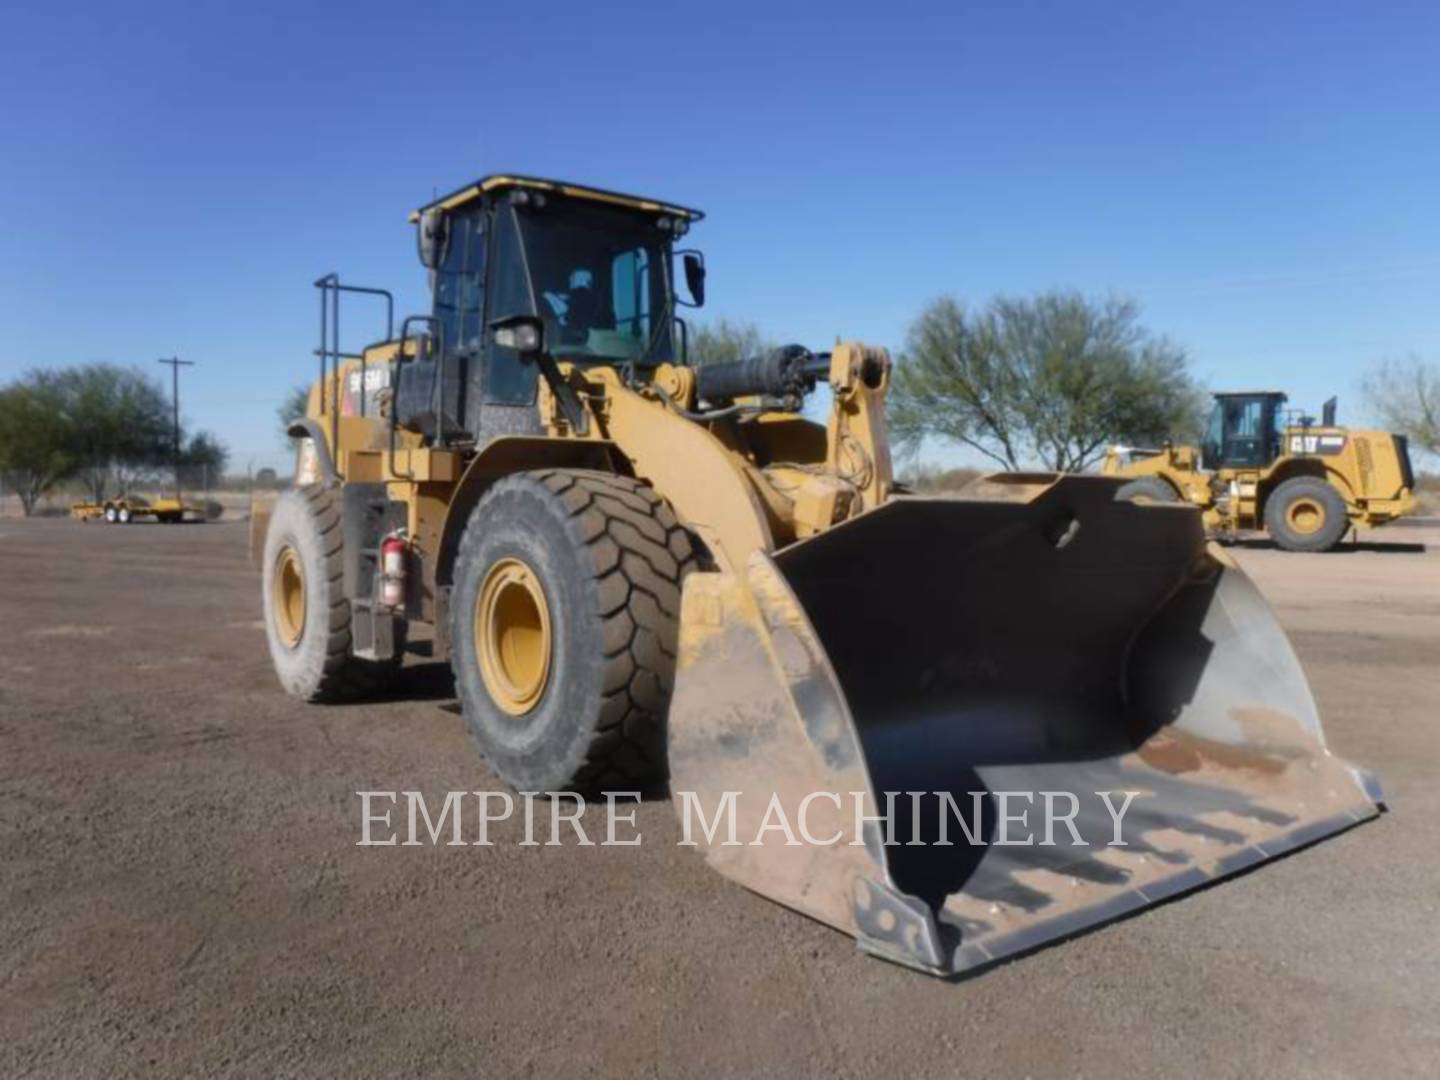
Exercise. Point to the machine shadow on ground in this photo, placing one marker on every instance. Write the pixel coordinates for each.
(1260, 543)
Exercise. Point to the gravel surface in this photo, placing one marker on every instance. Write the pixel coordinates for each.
(181, 893)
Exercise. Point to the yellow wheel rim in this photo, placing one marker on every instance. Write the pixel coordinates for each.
(288, 592)
(512, 636)
(1305, 516)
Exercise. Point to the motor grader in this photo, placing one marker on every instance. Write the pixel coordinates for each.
(643, 566)
(1259, 467)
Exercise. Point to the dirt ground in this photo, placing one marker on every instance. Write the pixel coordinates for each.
(181, 894)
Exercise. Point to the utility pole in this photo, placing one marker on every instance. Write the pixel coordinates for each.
(175, 365)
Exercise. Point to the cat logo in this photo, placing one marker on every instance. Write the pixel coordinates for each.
(1316, 444)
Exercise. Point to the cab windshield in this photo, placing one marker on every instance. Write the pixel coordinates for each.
(600, 281)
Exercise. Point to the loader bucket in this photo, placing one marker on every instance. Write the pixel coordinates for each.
(1011, 662)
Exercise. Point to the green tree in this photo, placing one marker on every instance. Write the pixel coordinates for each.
(37, 437)
(1406, 397)
(121, 423)
(725, 340)
(202, 460)
(1046, 380)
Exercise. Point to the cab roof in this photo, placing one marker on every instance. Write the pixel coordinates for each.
(504, 181)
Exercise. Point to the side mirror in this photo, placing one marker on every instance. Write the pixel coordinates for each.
(523, 333)
(432, 237)
(694, 264)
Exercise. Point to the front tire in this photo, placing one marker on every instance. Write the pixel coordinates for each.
(1306, 514)
(564, 619)
(307, 617)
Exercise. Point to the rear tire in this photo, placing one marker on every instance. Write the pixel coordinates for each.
(110, 515)
(575, 576)
(122, 515)
(1148, 487)
(1306, 514)
(307, 617)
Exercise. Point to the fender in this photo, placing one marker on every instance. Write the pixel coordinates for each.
(309, 428)
(1313, 467)
(508, 454)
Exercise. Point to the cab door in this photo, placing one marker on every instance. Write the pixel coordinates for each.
(459, 314)
(1248, 436)
(502, 385)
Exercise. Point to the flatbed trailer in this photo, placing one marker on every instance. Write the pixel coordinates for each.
(128, 508)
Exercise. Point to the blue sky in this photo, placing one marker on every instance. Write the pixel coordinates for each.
(1263, 178)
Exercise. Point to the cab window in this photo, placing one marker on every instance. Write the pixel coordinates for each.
(630, 281)
(508, 380)
(1212, 448)
(1246, 419)
(460, 286)
(1249, 433)
(598, 283)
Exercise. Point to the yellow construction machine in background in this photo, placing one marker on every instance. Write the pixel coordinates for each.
(1305, 484)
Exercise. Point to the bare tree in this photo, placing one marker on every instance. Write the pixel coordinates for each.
(1046, 380)
(1406, 396)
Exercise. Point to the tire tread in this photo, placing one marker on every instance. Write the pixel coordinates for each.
(637, 554)
(1331, 533)
(345, 677)
(635, 548)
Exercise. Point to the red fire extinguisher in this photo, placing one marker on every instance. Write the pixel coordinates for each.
(392, 571)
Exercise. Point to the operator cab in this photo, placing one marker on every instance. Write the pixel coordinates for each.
(1243, 431)
(590, 272)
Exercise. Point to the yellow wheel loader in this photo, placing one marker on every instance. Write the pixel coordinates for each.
(1261, 468)
(643, 567)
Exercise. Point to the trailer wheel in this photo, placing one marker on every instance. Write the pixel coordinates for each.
(122, 515)
(564, 619)
(307, 617)
(110, 515)
(1148, 487)
(1306, 514)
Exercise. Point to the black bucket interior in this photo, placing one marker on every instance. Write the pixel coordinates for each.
(984, 646)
